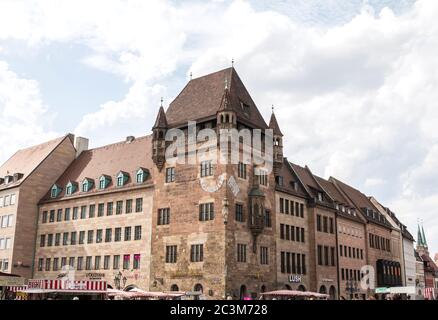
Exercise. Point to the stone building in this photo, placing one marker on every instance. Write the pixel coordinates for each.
(134, 215)
(24, 179)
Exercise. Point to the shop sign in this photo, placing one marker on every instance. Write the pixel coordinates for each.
(294, 278)
(382, 290)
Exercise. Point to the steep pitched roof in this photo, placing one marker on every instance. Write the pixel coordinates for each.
(289, 178)
(25, 161)
(273, 124)
(201, 99)
(306, 177)
(362, 202)
(161, 121)
(108, 160)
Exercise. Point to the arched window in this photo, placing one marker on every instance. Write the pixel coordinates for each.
(287, 287)
(302, 288)
(332, 293)
(323, 290)
(198, 289)
(174, 287)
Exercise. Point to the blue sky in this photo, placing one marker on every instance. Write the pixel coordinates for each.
(350, 80)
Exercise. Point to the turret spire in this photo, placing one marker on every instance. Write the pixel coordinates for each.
(273, 124)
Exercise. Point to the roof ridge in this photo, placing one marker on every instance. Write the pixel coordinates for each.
(118, 143)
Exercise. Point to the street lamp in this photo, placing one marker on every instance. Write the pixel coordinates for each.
(119, 279)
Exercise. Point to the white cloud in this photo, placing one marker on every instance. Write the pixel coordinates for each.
(24, 119)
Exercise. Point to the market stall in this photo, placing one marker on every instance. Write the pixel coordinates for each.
(61, 289)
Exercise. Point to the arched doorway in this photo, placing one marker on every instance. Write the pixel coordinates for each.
(198, 288)
(263, 288)
(174, 287)
(287, 287)
(302, 288)
(323, 290)
(332, 293)
(243, 292)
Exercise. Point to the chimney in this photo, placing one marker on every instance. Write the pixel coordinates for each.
(81, 144)
(130, 139)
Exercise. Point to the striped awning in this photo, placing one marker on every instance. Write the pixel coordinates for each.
(58, 285)
(429, 293)
(17, 288)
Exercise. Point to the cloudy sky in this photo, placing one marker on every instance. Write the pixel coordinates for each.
(355, 83)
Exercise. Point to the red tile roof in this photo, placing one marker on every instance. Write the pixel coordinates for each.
(273, 124)
(201, 99)
(288, 178)
(108, 160)
(25, 161)
(306, 177)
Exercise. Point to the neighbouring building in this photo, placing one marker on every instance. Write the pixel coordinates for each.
(24, 179)
(351, 239)
(387, 266)
(429, 266)
(130, 215)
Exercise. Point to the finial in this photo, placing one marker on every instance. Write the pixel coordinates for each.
(272, 108)
(232, 62)
(161, 101)
(191, 75)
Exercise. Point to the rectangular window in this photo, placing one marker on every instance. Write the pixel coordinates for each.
(282, 262)
(326, 256)
(92, 211)
(40, 264)
(332, 253)
(59, 215)
(136, 264)
(44, 217)
(80, 264)
(170, 175)
(106, 262)
(81, 237)
(288, 262)
(137, 233)
(55, 264)
(268, 221)
(263, 177)
(57, 239)
(126, 261)
(75, 213)
(281, 205)
(109, 209)
(90, 236)
(197, 253)
(67, 214)
(42, 241)
(286, 207)
(116, 262)
(63, 262)
(239, 213)
(83, 212)
(171, 254)
(318, 223)
(49, 240)
(127, 233)
(71, 262)
(65, 239)
(52, 216)
(298, 263)
(297, 233)
(292, 233)
(139, 205)
(99, 234)
(332, 227)
(325, 224)
(206, 211)
(301, 210)
(241, 252)
(163, 216)
(48, 264)
(241, 170)
(303, 264)
(88, 263)
(320, 256)
(294, 264)
(206, 168)
(128, 208)
(340, 250)
(100, 209)
(302, 235)
(108, 235)
(73, 238)
(97, 263)
(282, 231)
(117, 234)
(264, 255)
(119, 207)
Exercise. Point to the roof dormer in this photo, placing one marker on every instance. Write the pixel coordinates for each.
(55, 191)
(122, 178)
(71, 188)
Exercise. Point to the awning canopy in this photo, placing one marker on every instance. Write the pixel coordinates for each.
(294, 293)
(69, 286)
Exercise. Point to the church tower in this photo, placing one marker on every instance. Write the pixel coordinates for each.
(422, 247)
